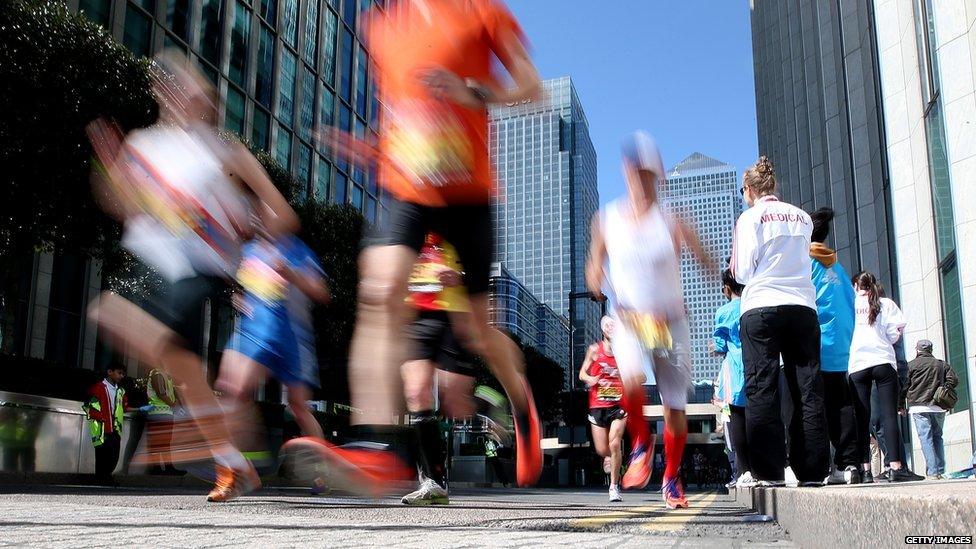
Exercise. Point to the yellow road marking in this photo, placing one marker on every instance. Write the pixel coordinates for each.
(655, 512)
(676, 519)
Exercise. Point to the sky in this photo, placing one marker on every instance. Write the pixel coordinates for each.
(679, 69)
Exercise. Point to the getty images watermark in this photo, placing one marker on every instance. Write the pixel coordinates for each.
(939, 540)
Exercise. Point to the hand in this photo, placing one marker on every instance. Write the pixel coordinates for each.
(589, 381)
(711, 346)
(444, 84)
(902, 412)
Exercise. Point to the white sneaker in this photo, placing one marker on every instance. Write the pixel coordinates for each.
(745, 480)
(429, 493)
(789, 478)
(615, 494)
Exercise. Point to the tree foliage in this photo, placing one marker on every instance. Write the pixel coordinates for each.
(59, 71)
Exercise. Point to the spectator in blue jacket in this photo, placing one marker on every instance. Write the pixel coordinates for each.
(835, 310)
(731, 387)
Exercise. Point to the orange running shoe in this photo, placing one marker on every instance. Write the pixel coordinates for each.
(528, 446)
(360, 470)
(674, 494)
(232, 483)
(638, 468)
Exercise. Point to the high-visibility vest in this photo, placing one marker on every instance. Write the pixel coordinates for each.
(159, 405)
(96, 428)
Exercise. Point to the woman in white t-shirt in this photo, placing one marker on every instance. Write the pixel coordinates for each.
(878, 325)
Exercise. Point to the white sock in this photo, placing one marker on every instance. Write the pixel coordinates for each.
(228, 456)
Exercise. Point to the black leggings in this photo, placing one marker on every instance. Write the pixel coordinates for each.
(737, 434)
(886, 378)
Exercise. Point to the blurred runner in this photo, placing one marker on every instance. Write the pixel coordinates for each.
(274, 333)
(636, 245)
(435, 64)
(607, 416)
(180, 194)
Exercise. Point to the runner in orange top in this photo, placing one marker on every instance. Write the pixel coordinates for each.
(435, 80)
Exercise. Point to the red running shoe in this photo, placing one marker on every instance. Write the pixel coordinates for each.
(638, 467)
(674, 494)
(360, 470)
(528, 446)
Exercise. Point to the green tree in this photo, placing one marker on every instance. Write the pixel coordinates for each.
(58, 71)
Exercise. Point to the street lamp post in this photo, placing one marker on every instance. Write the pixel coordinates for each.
(573, 296)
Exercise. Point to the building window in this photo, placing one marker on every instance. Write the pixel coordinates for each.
(211, 25)
(323, 180)
(349, 12)
(260, 128)
(268, 10)
(311, 31)
(290, 31)
(339, 190)
(137, 35)
(346, 58)
(307, 118)
(178, 18)
(356, 199)
(97, 11)
(283, 148)
(361, 82)
(237, 71)
(304, 170)
(286, 87)
(263, 88)
(234, 111)
(328, 46)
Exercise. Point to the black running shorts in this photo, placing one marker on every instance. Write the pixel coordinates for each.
(466, 227)
(603, 417)
(433, 339)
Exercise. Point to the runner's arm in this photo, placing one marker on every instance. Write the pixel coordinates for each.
(598, 255)
(278, 217)
(583, 375)
(689, 236)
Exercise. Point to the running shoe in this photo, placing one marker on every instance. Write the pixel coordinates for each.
(899, 475)
(429, 493)
(674, 494)
(867, 477)
(233, 483)
(836, 476)
(494, 404)
(745, 480)
(852, 475)
(528, 448)
(789, 477)
(365, 469)
(615, 494)
(638, 468)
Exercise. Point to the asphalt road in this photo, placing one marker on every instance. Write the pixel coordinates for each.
(71, 516)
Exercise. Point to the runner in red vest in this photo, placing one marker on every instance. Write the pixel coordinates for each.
(607, 416)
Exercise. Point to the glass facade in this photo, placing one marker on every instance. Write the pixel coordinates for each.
(275, 65)
(514, 309)
(545, 165)
(704, 191)
(942, 206)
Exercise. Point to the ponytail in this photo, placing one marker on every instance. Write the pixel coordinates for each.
(867, 282)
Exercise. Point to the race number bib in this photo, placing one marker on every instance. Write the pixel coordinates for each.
(653, 332)
(609, 394)
(428, 144)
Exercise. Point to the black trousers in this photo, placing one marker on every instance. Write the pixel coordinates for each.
(737, 434)
(793, 332)
(886, 379)
(107, 456)
(841, 419)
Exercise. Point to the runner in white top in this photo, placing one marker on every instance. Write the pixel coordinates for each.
(179, 192)
(636, 246)
(770, 256)
(878, 325)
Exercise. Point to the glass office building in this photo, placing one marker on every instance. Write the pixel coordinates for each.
(513, 308)
(545, 165)
(282, 68)
(704, 191)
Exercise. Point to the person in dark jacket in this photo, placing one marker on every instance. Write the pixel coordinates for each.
(926, 374)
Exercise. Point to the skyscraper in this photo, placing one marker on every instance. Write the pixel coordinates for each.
(704, 191)
(545, 164)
